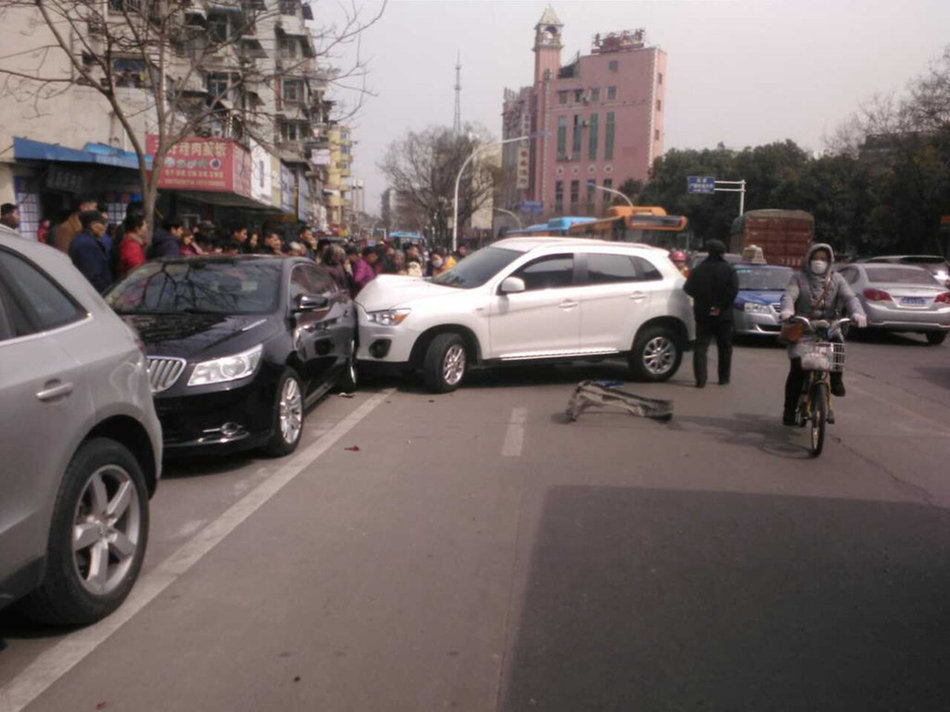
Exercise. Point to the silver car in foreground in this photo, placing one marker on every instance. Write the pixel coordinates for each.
(901, 298)
(80, 444)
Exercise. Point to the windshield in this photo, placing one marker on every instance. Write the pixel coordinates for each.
(897, 275)
(761, 279)
(478, 268)
(199, 286)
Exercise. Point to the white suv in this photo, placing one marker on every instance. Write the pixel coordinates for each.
(531, 299)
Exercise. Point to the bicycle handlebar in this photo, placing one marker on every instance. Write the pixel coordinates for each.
(821, 323)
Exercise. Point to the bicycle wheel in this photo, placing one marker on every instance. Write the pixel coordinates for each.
(819, 412)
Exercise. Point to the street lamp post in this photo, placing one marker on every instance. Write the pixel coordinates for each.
(615, 192)
(458, 180)
(508, 212)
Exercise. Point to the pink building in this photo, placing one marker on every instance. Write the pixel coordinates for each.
(602, 115)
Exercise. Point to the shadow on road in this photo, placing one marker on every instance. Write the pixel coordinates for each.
(937, 376)
(673, 600)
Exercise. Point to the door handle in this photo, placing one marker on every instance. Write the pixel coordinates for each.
(54, 390)
(638, 296)
(567, 304)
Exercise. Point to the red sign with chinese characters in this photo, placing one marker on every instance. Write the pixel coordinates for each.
(210, 164)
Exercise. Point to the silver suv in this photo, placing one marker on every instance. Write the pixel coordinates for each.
(80, 444)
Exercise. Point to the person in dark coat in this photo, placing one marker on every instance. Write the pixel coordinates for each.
(713, 285)
(166, 240)
(89, 251)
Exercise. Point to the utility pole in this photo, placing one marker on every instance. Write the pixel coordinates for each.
(457, 125)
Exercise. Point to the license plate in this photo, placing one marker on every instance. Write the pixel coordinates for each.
(913, 302)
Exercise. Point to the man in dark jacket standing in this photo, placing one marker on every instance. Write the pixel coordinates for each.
(89, 250)
(166, 241)
(713, 285)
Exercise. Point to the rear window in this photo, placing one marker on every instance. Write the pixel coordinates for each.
(897, 275)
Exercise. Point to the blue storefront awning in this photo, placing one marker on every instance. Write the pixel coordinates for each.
(29, 150)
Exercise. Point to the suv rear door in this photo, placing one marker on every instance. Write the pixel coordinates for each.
(621, 291)
(40, 384)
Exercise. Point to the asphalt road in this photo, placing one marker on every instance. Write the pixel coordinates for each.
(479, 552)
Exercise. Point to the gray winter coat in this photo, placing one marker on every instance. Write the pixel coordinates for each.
(804, 291)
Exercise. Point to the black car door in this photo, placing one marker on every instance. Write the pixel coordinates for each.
(322, 334)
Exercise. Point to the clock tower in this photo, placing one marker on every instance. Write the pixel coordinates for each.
(547, 46)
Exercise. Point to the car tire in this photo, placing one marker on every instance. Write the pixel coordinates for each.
(288, 415)
(935, 338)
(656, 354)
(349, 380)
(98, 537)
(445, 363)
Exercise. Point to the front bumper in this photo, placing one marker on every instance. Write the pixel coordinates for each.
(219, 421)
(385, 344)
(756, 323)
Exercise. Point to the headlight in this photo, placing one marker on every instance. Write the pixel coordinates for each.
(753, 308)
(388, 317)
(229, 368)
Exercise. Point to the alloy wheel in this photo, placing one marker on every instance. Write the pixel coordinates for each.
(453, 364)
(291, 410)
(659, 355)
(107, 527)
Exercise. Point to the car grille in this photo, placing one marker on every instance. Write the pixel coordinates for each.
(164, 371)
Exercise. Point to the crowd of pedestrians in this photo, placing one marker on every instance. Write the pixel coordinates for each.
(105, 253)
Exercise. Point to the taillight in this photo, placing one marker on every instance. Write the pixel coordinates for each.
(877, 295)
(942, 298)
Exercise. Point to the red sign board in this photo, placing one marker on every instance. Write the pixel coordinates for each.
(209, 164)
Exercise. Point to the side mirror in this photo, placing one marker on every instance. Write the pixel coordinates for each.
(311, 302)
(511, 285)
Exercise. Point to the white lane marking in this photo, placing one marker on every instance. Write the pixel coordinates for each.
(514, 435)
(62, 657)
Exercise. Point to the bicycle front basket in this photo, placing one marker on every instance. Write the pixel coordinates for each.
(821, 356)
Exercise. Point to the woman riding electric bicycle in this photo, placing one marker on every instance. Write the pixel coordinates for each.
(815, 292)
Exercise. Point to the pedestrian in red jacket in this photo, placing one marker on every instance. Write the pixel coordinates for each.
(132, 247)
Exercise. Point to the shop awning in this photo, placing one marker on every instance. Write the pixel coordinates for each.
(25, 149)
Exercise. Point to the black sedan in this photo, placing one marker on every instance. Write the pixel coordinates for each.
(238, 347)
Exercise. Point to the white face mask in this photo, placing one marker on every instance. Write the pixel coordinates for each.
(819, 266)
(436, 262)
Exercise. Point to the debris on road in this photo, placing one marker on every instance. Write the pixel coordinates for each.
(607, 394)
(346, 395)
(353, 448)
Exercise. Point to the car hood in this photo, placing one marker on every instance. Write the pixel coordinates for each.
(190, 335)
(388, 291)
(758, 296)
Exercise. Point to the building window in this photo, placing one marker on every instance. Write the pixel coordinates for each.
(576, 146)
(559, 196)
(656, 135)
(659, 78)
(288, 7)
(612, 65)
(121, 6)
(592, 138)
(288, 48)
(561, 136)
(608, 183)
(575, 195)
(129, 72)
(591, 192)
(291, 131)
(595, 94)
(293, 91)
(659, 105)
(218, 28)
(218, 86)
(611, 93)
(562, 97)
(578, 96)
(609, 137)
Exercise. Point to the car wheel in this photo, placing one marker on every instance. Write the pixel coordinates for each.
(445, 363)
(98, 536)
(288, 415)
(935, 338)
(656, 354)
(350, 379)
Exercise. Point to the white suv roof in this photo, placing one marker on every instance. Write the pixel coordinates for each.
(526, 244)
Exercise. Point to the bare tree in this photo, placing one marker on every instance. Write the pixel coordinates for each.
(422, 169)
(195, 77)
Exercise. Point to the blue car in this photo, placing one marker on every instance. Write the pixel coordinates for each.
(760, 292)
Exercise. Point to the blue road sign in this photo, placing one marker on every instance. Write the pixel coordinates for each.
(701, 184)
(532, 206)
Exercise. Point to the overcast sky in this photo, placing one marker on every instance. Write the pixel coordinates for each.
(744, 72)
